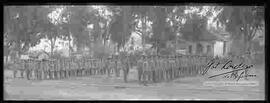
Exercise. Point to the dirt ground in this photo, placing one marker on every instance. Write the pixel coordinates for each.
(112, 88)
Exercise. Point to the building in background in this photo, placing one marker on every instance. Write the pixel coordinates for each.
(208, 44)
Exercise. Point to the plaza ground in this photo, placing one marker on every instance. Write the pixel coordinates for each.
(112, 88)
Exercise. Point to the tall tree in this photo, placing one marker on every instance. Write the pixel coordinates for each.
(242, 21)
(22, 26)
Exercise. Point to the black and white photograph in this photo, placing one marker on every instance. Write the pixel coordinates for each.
(133, 52)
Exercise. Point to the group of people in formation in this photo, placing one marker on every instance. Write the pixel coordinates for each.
(150, 68)
(153, 69)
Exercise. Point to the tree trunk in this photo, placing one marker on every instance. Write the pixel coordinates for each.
(52, 45)
(69, 46)
(144, 32)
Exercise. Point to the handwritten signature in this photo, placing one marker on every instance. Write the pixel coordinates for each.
(228, 65)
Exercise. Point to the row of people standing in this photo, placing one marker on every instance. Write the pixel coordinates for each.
(62, 68)
(153, 69)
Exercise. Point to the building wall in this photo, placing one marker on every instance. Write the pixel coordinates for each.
(194, 47)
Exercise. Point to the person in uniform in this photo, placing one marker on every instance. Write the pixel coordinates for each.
(185, 66)
(177, 66)
(140, 68)
(108, 65)
(45, 69)
(86, 66)
(149, 69)
(72, 67)
(171, 68)
(91, 67)
(126, 68)
(144, 70)
(28, 69)
(156, 69)
(165, 66)
(192, 64)
(68, 68)
(55, 69)
(159, 68)
(152, 69)
(64, 68)
(118, 67)
(104, 66)
(59, 68)
(39, 74)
